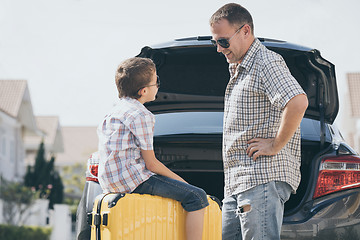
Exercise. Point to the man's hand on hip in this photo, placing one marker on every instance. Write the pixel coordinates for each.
(261, 147)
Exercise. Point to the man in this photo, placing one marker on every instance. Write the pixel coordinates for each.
(263, 109)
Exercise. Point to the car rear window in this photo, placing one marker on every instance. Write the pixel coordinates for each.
(212, 123)
(188, 123)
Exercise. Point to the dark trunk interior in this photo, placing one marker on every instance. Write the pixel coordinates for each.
(199, 162)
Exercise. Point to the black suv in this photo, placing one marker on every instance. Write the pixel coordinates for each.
(188, 135)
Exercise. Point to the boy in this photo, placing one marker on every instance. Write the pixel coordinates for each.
(127, 160)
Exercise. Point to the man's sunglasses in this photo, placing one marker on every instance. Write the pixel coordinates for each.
(223, 42)
(157, 84)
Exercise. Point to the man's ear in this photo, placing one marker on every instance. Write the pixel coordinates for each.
(142, 91)
(247, 30)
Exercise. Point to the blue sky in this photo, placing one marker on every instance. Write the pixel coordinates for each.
(68, 50)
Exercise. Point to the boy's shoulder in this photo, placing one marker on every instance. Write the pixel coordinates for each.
(130, 108)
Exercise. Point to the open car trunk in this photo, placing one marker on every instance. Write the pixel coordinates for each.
(194, 78)
(191, 73)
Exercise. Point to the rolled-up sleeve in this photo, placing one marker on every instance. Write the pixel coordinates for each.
(279, 85)
(143, 127)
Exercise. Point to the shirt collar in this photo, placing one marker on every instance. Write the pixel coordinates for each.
(133, 101)
(248, 60)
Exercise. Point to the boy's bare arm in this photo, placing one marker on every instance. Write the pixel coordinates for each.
(155, 166)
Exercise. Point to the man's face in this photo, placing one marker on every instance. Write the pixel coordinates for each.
(222, 29)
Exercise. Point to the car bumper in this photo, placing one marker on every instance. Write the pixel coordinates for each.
(332, 217)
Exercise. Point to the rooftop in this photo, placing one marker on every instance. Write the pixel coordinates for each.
(11, 96)
(79, 144)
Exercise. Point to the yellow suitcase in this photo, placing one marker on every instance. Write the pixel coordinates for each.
(118, 216)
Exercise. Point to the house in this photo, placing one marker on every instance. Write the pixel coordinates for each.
(352, 124)
(20, 136)
(16, 122)
(50, 134)
(79, 143)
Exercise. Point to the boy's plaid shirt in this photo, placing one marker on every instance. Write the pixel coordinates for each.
(258, 90)
(127, 129)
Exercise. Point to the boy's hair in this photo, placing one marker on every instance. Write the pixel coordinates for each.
(235, 14)
(132, 75)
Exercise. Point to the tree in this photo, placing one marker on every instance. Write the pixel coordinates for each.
(44, 178)
(57, 191)
(74, 181)
(17, 199)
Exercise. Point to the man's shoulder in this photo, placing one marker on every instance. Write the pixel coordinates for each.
(267, 55)
(266, 58)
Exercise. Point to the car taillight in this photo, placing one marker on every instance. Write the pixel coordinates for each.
(337, 174)
(92, 179)
(93, 170)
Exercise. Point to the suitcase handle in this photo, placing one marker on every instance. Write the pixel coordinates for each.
(97, 218)
(113, 201)
(215, 199)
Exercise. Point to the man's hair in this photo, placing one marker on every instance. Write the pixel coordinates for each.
(132, 75)
(235, 14)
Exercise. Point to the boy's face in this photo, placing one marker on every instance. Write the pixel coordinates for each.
(148, 93)
(153, 87)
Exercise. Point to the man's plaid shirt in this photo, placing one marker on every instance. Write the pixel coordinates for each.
(258, 90)
(127, 129)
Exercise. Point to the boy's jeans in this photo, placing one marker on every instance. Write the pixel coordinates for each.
(192, 198)
(263, 220)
